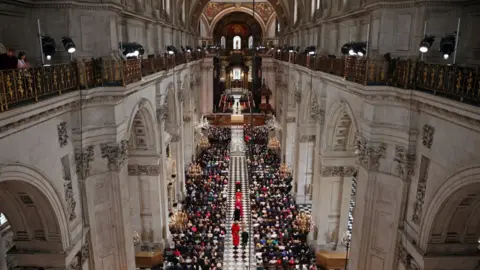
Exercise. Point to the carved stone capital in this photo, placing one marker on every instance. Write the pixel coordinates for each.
(427, 136)
(342, 171)
(62, 134)
(116, 154)
(148, 170)
(82, 161)
(307, 138)
(368, 155)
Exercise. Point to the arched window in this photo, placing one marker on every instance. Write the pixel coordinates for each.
(250, 42)
(295, 11)
(183, 10)
(319, 3)
(278, 26)
(167, 6)
(223, 42)
(3, 219)
(237, 43)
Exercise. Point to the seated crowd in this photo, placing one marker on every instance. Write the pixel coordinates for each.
(200, 244)
(258, 134)
(220, 134)
(279, 243)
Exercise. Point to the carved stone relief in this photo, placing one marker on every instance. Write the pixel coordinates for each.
(307, 138)
(116, 154)
(148, 170)
(82, 161)
(162, 112)
(427, 137)
(405, 163)
(70, 200)
(418, 204)
(62, 134)
(187, 118)
(298, 96)
(343, 171)
(369, 156)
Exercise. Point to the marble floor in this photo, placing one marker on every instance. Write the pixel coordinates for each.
(242, 257)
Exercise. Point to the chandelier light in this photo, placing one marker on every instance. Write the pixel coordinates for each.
(178, 221)
(303, 222)
(194, 171)
(273, 144)
(204, 143)
(284, 169)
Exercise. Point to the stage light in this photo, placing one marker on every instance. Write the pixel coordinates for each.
(360, 48)
(426, 43)
(48, 46)
(132, 49)
(310, 50)
(346, 48)
(68, 44)
(171, 50)
(291, 49)
(189, 49)
(447, 45)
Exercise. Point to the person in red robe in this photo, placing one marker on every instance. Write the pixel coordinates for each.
(247, 138)
(235, 234)
(238, 196)
(238, 205)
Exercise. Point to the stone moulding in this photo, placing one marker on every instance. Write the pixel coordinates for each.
(307, 138)
(62, 134)
(147, 170)
(342, 171)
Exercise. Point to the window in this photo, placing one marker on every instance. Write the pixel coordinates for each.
(223, 42)
(237, 43)
(3, 219)
(319, 4)
(250, 42)
(313, 7)
(237, 74)
(295, 11)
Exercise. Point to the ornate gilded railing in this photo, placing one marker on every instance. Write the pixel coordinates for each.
(20, 86)
(460, 83)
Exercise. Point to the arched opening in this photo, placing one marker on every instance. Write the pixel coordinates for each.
(456, 227)
(32, 219)
(237, 43)
(238, 25)
(146, 187)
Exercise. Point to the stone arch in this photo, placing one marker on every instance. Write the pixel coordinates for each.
(227, 11)
(340, 127)
(457, 199)
(141, 127)
(34, 209)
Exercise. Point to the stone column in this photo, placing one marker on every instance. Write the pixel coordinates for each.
(160, 39)
(162, 112)
(317, 164)
(296, 144)
(3, 255)
(368, 184)
(304, 167)
(181, 144)
(189, 137)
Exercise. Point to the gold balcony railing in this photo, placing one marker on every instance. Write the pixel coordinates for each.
(22, 86)
(455, 82)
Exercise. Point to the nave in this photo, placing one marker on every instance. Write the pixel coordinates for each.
(239, 210)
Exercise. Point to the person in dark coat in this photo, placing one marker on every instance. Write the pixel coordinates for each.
(8, 60)
(244, 238)
(236, 214)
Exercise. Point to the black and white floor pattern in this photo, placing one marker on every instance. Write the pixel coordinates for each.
(242, 257)
(306, 208)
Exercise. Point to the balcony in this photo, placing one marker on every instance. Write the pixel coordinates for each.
(23, 86)
(453, 82)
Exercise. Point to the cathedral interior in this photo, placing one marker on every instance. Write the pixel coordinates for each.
(236, 134)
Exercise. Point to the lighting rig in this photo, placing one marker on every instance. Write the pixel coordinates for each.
(354, 49)
(131, 49)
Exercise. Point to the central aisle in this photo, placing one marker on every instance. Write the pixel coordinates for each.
(243, 257)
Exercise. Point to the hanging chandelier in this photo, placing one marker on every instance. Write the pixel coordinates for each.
(204, 143)
(178, 221)
(284, 169)
(273, 144)
(194, 171)
(303, 222)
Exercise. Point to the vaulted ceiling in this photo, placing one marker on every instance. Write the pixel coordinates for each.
(280, 6)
